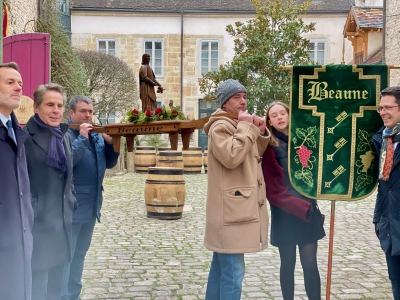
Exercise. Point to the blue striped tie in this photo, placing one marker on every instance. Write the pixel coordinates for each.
(11, 131)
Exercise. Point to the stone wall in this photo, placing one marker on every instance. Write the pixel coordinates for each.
(393, 39)
(22, 14)
(130, 48)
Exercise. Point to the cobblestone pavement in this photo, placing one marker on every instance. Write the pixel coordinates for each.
(135, 257)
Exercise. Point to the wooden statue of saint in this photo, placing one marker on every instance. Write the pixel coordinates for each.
(148, 81)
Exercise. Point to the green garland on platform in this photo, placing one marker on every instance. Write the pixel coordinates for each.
(159, 114)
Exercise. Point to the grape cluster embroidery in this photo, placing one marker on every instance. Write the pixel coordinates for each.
(304, 155)
(305, 139)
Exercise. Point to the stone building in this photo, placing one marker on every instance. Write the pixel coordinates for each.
(22, 15)
(392, 39)
(364, 29)
(368, 29)
(188, 38)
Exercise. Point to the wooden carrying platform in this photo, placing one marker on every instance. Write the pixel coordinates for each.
(172, 127)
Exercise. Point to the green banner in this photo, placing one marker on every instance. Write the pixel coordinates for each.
(332, 120)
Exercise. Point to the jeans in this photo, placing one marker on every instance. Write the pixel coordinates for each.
(72, 280)
(46, 284)
(393, 263)
(225, 277)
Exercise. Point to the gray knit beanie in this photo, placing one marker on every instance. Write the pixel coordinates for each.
(228, 89)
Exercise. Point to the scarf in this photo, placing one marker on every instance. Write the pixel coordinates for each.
(280, 135)
(394, 133)
(56, 156)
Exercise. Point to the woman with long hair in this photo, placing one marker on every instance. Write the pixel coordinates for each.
(295, 219)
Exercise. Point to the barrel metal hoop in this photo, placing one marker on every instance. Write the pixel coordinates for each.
(169, 160)
(164, 181)
(164, 215)
(166, 172)
(164, 205)
(164, 153)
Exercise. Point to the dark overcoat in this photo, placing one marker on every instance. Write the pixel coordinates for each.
(16, 217)
(53, 201)
(387, 207)
(286, 228)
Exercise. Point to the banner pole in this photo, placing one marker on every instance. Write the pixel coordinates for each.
(330, 251)
(343, 50)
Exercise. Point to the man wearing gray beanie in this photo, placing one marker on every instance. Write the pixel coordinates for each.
(236, 211)
(227, 89)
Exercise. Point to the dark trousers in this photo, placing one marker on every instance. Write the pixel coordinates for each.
(46, 284)
(393, 264)
(81, 238)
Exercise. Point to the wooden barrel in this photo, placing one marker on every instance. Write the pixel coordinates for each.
(161, 149)
(205, 159)
(165, 193)
(145, 157)
(172, 159)
(192, 160)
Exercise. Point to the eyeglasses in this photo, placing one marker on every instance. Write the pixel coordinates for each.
(385, 108)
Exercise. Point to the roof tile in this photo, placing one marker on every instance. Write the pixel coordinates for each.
(336, 6)
(375, 58)
(369, 17)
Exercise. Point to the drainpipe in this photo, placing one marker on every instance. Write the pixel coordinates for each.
(181, 90)
(384, 33)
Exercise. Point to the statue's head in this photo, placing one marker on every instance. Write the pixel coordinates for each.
(145, 58)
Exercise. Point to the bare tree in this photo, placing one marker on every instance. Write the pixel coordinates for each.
(110, 82)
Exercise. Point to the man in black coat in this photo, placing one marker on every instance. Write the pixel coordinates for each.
(387, 207)
(50, 169)
(16, 215)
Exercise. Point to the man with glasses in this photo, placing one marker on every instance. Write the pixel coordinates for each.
(387, 207)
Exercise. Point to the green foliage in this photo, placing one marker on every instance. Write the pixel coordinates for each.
(159, 114)
(154, 140)
(66, 68)
(137, 140)
(110, 81)
(262, 45)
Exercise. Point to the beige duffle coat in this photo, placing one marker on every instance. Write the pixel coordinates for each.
(236, 211)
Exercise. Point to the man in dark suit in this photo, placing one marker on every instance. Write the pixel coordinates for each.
(387, 207)
(16, 214)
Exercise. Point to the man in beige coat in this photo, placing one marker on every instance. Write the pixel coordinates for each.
(236, 212)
